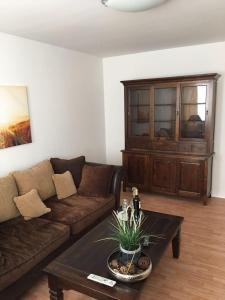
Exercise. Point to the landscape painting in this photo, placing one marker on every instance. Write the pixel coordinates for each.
(14, 117)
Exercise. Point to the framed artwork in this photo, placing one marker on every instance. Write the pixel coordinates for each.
(14, 117)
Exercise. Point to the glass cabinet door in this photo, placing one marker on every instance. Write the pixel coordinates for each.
(193, 111)
(138, 116)
(165, 112)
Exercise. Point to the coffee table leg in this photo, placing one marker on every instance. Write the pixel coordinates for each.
(176, 245)
(55, 292)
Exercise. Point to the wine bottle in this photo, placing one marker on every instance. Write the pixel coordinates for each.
(136, 204)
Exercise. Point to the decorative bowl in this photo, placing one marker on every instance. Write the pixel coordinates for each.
(129, 278)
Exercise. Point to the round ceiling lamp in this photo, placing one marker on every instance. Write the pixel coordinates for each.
(132, 5)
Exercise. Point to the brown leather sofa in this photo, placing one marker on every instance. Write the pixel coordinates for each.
(27, 246)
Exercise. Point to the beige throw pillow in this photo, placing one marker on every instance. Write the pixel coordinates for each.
(64, 185)
(30, 205)
(8, 191)
(38, 177)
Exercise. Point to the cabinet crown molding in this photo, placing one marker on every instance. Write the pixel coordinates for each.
(208, 76)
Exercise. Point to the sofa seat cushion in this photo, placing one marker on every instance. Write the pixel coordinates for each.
(2, 259)
(23, 244)
(77, 211)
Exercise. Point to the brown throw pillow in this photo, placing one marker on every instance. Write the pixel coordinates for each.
(64, 185)
(96, 181)
(38, 177)
(30, 205)
(74, 165)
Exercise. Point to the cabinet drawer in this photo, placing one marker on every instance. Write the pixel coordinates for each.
(199, 148)
(184, 147)
(193, 147)
(164, 146)
(137, 143)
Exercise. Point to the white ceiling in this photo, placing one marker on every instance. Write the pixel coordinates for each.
(88, 26)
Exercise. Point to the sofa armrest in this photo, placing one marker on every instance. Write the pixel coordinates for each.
(116, 184)
(117, 178)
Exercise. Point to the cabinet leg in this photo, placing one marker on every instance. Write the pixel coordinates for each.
(205, 200)
(176, 245)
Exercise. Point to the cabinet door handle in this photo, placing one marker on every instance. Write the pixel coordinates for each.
(177, 112)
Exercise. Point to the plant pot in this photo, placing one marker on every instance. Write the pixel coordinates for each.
(126, 256)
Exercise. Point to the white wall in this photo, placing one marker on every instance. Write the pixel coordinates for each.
(170, 62)
(65, 99)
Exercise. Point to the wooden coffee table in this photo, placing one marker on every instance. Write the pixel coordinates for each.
(86, 256)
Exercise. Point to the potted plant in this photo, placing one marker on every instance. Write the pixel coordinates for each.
(128, 233)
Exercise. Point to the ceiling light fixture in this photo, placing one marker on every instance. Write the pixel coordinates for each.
(132, 5)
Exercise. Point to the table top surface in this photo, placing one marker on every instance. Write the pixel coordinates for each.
(88, 255)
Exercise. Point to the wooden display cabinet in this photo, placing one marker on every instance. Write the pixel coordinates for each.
(169, 134)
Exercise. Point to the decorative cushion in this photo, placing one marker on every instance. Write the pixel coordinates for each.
(96, 181)
(8, 191)
(38, 177)
(64, 185)
(30, 205)
(74, 165)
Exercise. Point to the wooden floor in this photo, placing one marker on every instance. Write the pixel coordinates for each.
(199, 274)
